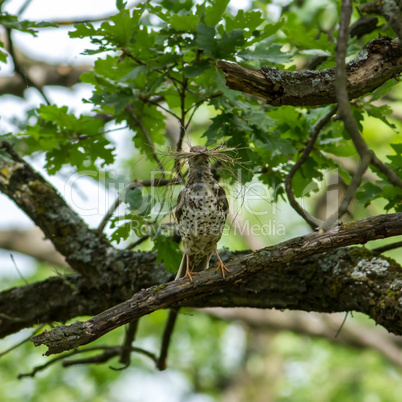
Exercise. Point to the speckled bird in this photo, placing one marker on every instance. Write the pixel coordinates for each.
(201, 212)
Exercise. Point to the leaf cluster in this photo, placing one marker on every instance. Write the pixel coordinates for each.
(157, 65)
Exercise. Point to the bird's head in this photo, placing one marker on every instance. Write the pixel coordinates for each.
(200, 155)
(199, 149)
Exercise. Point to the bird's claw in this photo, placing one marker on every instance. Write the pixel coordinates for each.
(222, 267)
(188, 275)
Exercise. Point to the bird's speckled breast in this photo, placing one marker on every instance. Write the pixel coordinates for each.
(203, 218)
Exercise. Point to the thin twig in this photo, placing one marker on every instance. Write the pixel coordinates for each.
(148, 138)
(23, 7)
(182, 121)
(392, 177)
(307, 150)
(11, 348)
(109, 213)
(200, 102)
(17, 269)
(342, 324)
(388, 247)
(108, 353)
(163, 108)
(138, 242)
(131, 331)
(167, 334)
(350, 192)
(58, 358)
(18, 69)
(134, 184)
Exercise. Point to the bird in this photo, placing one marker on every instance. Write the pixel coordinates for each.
(201, 211)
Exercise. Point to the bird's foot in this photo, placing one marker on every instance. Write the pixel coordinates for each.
(189, 273)
(221, 266)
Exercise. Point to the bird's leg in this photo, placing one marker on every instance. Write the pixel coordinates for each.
(188, 272)
(221, 265)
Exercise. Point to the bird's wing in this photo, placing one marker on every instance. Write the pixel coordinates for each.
(222, 199)
(179, 205)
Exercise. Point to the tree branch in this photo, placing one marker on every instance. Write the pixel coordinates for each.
(147, 137)
(316, 325)
(31, 243)
(379, 61)
(75, 295)
(350, 193)
(41, 202)
(307, 150)
(44, 75)
(135, 184)
(329, 288)
(343, 93)
(390, 9)
(17, 68)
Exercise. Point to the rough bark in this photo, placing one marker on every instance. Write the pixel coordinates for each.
(379, 61)
(85, 250)
(282, 276)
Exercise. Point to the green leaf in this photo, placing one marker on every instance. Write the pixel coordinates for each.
(117, 100)
(269, 30)
(396, 160)
(67, 139)
(177, 6)
(120, 4)
(248, 21)
(217, 128)
(167, 252)
(229, 43)
(196, 69)
(205, 39)
(119, 31)
(214, 14)
(133, 197)
(123, 232)
(303, 182)
(134, 73)
(3, 55)
(274, 143)
(82, 31)
(185, 22)
(394, 197)
(367, 193)
(380, 112)
(13, 22)
(264, 53)
(131, 224)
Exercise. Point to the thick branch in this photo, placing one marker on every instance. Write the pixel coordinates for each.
(31, 243)
(82, 247)
(61, 298)
(44, 74)
(379, 61)
(359, 285)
